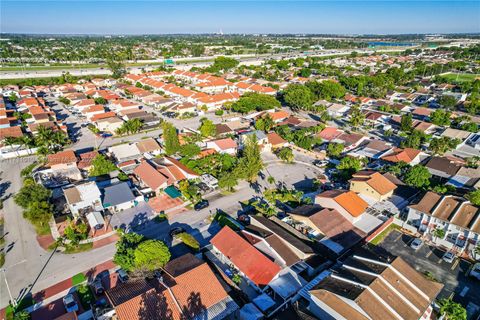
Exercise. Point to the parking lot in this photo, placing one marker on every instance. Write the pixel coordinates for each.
(457, 284)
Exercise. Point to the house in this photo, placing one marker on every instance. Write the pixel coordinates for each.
(337, 110)
(86, 160)
(369, 286)
(150, 146)
(328, 226)
(260, 135)
(187, 289)
(60, 168)
(350, 140)
(298, 243)
(173, 169)
(274, 141)
(442, 167)
(125, 152)
(348, 203)
(83, 198)
(62, 160)
(108, 124)
(89, 112)
(186, 107)
(225, 145)
(118, 197)
(457, 217)
(466, 178)
(329, 133)
(255, 268)
(372, 184)
(407, 155)
(150, 177)
(470, 147)
(372, 149)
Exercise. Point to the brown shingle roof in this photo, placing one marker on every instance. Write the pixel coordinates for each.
(148, 145)
(62, 157)
(427, 203)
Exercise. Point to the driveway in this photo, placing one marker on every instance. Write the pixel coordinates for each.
(464, 289)
(132, 218)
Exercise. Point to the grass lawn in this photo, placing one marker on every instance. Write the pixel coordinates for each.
(223, 220)
(379, 238)
(2, 259)
(460, 77)
(79, 248)
(78, 278)
(42, 230)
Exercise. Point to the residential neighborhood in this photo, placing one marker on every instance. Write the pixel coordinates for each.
(301, 186)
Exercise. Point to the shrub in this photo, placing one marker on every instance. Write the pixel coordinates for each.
(189, 240)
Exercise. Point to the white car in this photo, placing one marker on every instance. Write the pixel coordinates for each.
(475, 272)
(416, 244)
(448, 257)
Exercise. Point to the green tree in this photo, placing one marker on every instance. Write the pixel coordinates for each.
(452, 310)
(406, 122)
(223, 64)
(414, 140)
(442, 145)
(31, 193)
(439, 233)
(286, 154)
(474, 197)
(349, 165)
(357, 117)
(189, 150)
(39, 213)
(125, 254)
(447, 101)
(418, 176)
(329, 90)
(334, 150)
(255, 101)
(189, 240)
(49, 141)
(440, 117)
(101, 100)
(170, 138)
(298, 97)
(151, 255)
(228, 181)
(116, 64)
(130, 127)
(265, 123)
(250, 163)
(101, 165)
(207, 128)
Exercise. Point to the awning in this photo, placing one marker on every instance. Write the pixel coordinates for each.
(95, 219)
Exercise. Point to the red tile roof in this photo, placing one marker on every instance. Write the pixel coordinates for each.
(62, 157)
(251, 262)
(150, 176)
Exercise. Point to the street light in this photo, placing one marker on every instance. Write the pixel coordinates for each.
(13, 301)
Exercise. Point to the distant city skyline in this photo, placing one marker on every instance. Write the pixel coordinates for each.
(252, 17)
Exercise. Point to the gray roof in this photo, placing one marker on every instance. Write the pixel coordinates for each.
(117, 194)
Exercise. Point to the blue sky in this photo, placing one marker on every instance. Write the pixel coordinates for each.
(158, 17)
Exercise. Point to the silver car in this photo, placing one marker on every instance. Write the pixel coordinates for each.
(448, 257)
(416, 244)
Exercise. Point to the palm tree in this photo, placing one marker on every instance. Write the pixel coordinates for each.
(438, 233)
(11, 141)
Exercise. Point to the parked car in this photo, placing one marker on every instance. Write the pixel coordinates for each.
(320, 163)
(177, 230)
(448, 257)
(70, 303)
(122, 275)
(98, 286)
(475, 272)
(201, 205)
(416, 244)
